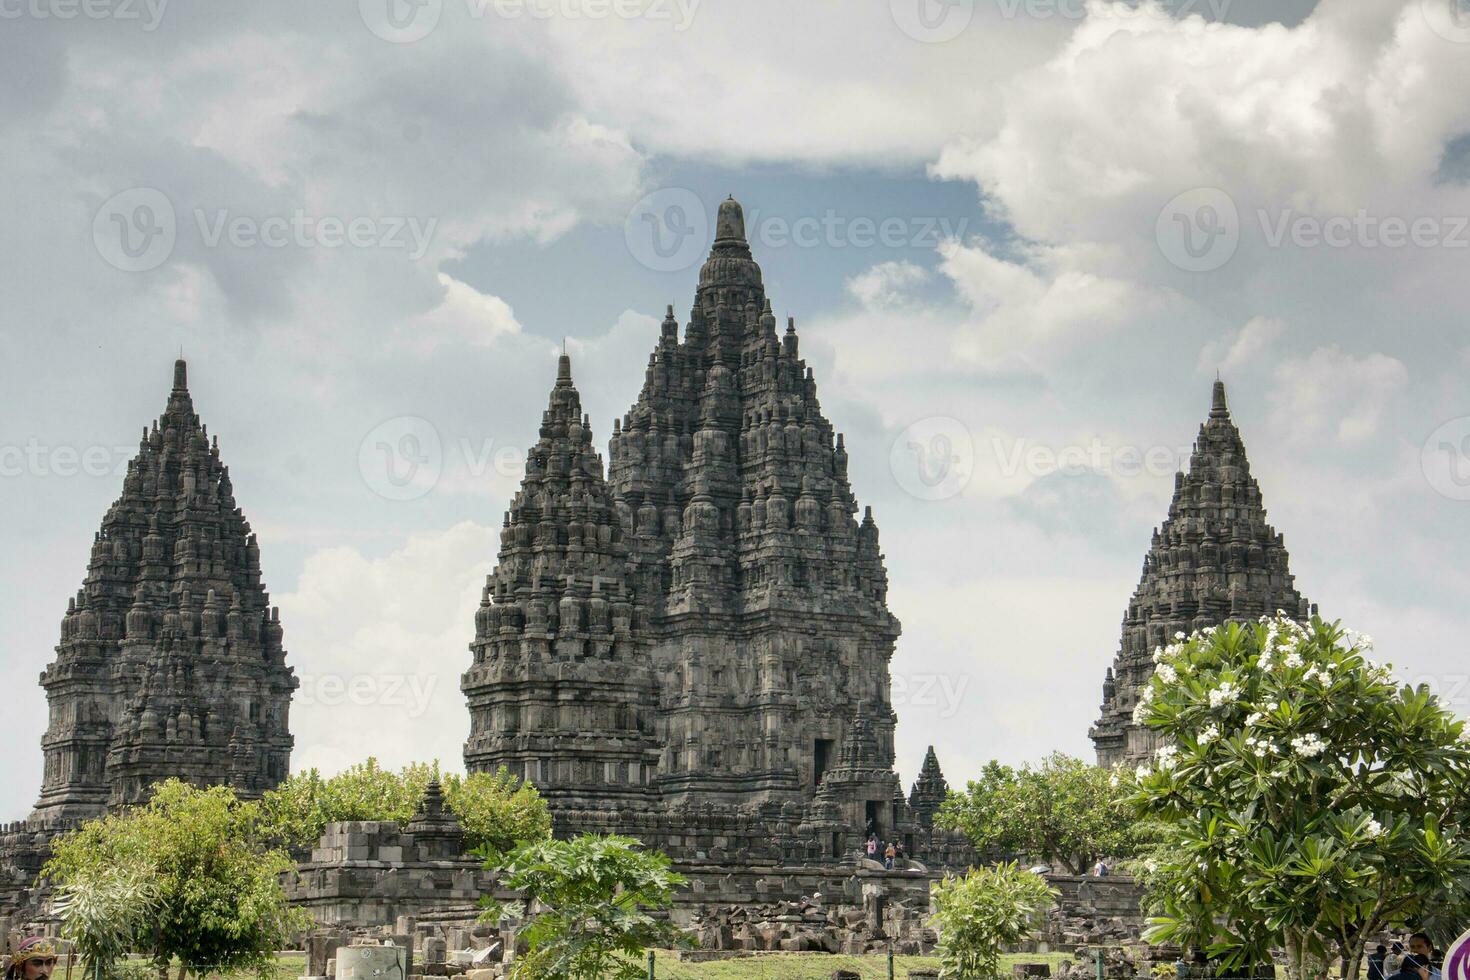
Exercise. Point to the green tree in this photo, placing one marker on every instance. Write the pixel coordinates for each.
(1312, 801)
(211, 888)
(980, 914)
(1064, 811)
(591, 901)
(497, 809)
(106, 912)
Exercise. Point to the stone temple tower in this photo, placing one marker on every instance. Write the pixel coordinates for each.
(561, 691)
(706, 633)
(766, 598)
(1213, 560)
(170, 661)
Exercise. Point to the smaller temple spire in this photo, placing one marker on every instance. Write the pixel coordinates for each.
(181, 376)
(564, 371)
(1218, 408)
(730, 223)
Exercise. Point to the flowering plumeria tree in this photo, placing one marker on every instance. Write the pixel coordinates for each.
(1311, 800)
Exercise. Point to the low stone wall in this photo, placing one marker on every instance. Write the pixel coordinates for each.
(364, 874)
(1093, 911)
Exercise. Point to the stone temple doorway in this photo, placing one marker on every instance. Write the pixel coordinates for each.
(874, 815)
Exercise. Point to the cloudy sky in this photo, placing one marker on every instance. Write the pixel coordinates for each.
(1023, 234)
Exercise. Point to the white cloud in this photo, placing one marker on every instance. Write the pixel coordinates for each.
(380, 643)
(886, 284)
(1331, 391)
(1253, 339)
(850, 85)
(467, 317)
(1039, 308)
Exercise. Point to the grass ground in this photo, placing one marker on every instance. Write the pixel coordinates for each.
(815, 966)
(761, 966)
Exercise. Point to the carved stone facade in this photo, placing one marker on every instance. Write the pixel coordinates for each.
(170, 661)
(704, 633)
(1215, 559)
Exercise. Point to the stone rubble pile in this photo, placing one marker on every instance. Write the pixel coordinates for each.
(810, 926)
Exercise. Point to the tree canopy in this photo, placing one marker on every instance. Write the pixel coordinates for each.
(187, 876)
(1064, 811)
(980, 914)
(497, 809)
(590, 903)
(1311, 799)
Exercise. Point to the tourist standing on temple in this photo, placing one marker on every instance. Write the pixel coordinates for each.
(1375, 963)
(889, 853)
(872, 847)
(34, 959)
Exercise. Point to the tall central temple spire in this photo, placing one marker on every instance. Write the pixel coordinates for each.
(1214, 559)
(758, 601)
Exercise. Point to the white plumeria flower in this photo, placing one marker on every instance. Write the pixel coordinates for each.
(1272, 705)
(1252, 718)
(1210, 734)
(1226, 693)
(1168, 673)
(1166, 756)
(1373, 828)
(1179, 635)
(1158, 654)
(1293, 660)
(1142, 772)
(1309, 746)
